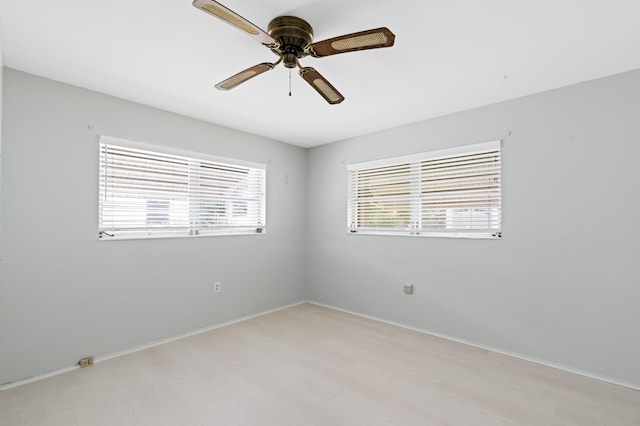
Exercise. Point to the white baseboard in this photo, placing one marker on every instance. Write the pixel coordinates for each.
(155, 343)
(565, 368)
(101, 358)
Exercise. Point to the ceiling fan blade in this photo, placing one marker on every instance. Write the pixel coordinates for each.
(244, 76)
(370, 39)
(230, 17)
(318, 82)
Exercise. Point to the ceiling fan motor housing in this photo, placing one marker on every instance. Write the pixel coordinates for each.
(293, 36)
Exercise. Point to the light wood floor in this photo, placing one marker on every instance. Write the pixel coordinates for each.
(309, 365)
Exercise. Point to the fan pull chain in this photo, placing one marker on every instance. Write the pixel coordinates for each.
(289, 81)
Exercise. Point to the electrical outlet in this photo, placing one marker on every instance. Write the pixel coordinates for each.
(217, 287)
(408, 288)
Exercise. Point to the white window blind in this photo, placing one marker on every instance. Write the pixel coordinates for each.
(453, 192)
(149, 193)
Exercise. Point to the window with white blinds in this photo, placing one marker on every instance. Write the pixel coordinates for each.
(451, 193)
(146, 193)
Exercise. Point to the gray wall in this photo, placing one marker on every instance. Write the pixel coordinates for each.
(562, 286)
(63, 293)
(1, 101)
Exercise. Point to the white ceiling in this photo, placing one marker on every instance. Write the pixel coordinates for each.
(449, 56)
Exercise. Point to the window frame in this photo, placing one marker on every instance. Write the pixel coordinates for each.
(395, 183)
(192, 194)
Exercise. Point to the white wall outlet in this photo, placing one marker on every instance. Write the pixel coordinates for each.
(408, 288)
(217, 286)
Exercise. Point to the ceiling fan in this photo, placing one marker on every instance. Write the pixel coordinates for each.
(291, 38)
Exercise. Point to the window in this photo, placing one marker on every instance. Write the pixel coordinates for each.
(451, 193)
(156, 193)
